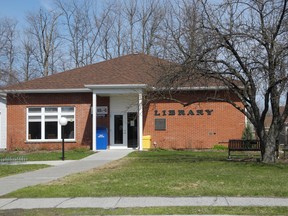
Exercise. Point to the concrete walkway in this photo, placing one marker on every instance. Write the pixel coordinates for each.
(129, 202)
(59, 170)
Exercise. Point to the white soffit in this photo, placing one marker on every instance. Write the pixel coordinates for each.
(117, 88)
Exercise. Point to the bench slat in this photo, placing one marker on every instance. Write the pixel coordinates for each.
(243, 145)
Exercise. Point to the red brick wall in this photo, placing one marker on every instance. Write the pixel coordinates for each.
(183, 131)
(16, 118)
(194, 131)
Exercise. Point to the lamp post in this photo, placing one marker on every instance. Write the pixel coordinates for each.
(63, 122)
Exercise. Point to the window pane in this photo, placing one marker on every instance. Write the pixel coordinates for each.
(51, 110)
(69, 130)
(51, 129)
(67, 109)
(51, 118)
(34, 130)
(34, 118)
(34, 110)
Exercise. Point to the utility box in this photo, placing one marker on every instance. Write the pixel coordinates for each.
(146, 141)
(101, 138)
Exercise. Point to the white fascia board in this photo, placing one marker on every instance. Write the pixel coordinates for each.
(76, 90)
(117, 86)
(2, 94)
(194, 88)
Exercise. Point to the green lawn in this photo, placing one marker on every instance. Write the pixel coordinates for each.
(75, 154)
(6, 170)
(170, 173)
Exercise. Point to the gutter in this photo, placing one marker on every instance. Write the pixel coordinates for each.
(76, 90)
(117, 86)
(193, 88)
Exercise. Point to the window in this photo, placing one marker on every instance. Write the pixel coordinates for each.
(160, 124)
(43, 123)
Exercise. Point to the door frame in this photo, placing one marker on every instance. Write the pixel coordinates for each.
(135, 136)
(124, 131)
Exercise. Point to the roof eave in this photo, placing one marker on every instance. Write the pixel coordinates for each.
(39, 91)
(200, 88)
(117, 86)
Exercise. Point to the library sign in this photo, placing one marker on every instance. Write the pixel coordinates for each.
(199, 112)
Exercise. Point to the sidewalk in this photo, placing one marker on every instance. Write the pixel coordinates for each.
(130, 202)
(59, 170)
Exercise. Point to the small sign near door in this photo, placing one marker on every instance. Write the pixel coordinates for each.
(102, 110)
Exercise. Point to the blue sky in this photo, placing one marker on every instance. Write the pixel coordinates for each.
(18, 8)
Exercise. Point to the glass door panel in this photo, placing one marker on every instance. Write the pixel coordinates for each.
(118, 129)
(132, 130)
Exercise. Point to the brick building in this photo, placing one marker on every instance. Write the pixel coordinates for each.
(110, 97)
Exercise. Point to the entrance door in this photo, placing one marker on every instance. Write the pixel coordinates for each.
(132, 135)
(119, 130)
(124, 133)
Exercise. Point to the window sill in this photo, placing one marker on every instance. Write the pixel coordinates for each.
(50, 141)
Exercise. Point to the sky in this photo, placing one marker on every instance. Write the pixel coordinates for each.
(17, 9)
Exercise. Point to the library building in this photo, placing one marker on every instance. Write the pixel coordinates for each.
(106, 106)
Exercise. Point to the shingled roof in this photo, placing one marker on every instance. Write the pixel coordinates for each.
(130, 69)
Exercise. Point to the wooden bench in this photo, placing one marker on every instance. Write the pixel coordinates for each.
(243, 145)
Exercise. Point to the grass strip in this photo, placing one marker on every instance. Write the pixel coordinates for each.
(6, 170)
(170, 173)
(75, 154)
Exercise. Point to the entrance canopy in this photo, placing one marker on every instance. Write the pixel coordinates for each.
(126, 114)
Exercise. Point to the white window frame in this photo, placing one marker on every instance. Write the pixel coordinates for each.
(43, 114)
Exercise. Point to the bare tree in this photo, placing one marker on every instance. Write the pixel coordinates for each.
(43, 29)
(119, 44)
(81, 26)
(130, 11)
(105, 24)
(243, 45)
(151, 15)
(8, 51)
(28, 60)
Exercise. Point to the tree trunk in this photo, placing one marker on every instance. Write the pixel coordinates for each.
(268, 155)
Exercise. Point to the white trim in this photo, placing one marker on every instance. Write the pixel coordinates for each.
(110, 88)
(42, 115)
(140, 122)
(117, 91)
(124, 144)
(195, 88)
(76, 90)
(3, 123)
(119, 147)
(94, 121)
(117, 86)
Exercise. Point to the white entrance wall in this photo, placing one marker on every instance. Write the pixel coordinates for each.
(3, 123)
(121, 105)
(124, 98)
